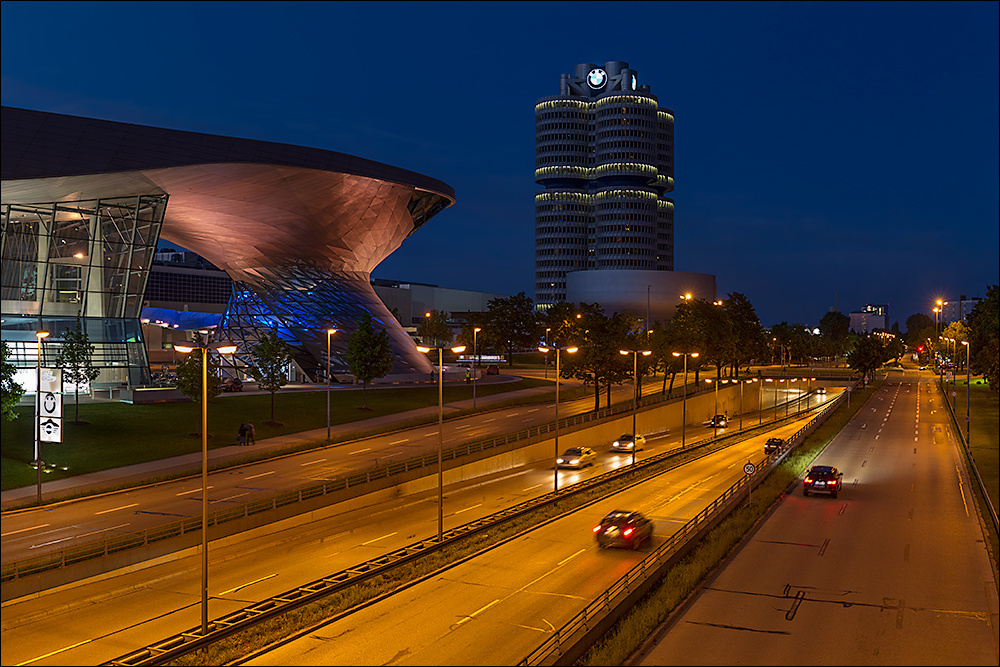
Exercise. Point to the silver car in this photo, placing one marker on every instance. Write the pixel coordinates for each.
(628, 442)
(576, 457)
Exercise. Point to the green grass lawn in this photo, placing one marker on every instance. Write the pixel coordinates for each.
(984, 430)
(120, 434)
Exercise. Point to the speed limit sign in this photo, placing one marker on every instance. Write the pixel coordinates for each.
(749, 468)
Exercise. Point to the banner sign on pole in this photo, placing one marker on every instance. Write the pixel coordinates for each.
(50, 404)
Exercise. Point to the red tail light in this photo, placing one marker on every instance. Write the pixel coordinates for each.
(597, 528)
(628, 531)
(808, 480)
(833, 482)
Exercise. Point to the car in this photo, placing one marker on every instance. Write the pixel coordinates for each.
(773, 445)
(627, 442)
(232, 384)
(623, 528)
(820, 390)
(576, 457)
(716, 421)
(922, 368)
(822, 479)
(492, 369)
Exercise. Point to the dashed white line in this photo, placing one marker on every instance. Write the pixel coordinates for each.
(377, 539)
(123, 507)
(399, 442)
(261, 475)
(309, 463)
(14, 532)
(184, 493)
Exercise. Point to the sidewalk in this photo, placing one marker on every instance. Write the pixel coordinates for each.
(191, 463)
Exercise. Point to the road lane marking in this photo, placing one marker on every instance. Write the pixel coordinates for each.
(42, 657)
(566, 560)
(73, 537)
(463, 426)
(184, 493)
(309, 463)
(467, 509)
(14, 532)
(249, 583)
(492, 419)
(245, 493)
(475, 613)
(360, 451)
(123, 507)
(531, 487)
(377, 539)
(261, 475)
(399, 442)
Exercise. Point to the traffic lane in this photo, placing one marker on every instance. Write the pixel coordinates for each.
(497, 607)
(862, 573)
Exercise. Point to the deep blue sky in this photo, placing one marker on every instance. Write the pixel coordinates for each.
(826, 154)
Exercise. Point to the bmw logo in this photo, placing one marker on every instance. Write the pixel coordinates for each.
(597, 78)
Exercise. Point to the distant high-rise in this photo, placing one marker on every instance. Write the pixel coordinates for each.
(604, 154)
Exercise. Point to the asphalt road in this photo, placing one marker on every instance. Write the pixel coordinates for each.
(105, 617)
(892, 572)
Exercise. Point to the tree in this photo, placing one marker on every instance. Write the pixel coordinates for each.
(868, 355)
(270, 362)
(984, 337)
(75, 358)
(834, 331)
(10, 390)
(369, 354)
(434, 329)
(598, 362)
(749, 343)
(189, 373)
(916, 328)
(511, 324)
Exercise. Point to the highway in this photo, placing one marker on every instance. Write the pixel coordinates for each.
(892, 572)
(105, 617)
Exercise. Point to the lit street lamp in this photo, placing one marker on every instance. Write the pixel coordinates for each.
(555, 463)
(329, 333)
(635, 394)
(38, 414)
(440, 351)
(684, 399)
(222, 348)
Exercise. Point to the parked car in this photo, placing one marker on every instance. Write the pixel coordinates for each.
(773, 445)
(492, 369)
(623, 528)
(627, 442)
(577, 457)
(822, 479)
(719, 421)
(232, 384)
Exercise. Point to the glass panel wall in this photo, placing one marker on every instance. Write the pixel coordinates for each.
(88, 259)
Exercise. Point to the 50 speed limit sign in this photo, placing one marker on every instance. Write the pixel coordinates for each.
(749, 468)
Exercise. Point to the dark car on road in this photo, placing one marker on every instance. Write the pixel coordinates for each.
(773, 445)
(492, 369)
(718, 421)
(577, 457)
(232, 384)
(822, 479)
(623, 528)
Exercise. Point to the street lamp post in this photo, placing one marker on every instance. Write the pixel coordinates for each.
(475, 352)
(329, 333)
(684, 399)
(38, 414)
(635, 394)
(440, 351)
(968, 383)
(555, 465)
(547, 330)
(222, 348)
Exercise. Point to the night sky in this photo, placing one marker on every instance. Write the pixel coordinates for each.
(827, 155)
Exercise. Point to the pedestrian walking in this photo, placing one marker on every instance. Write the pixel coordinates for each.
(242, 437)
(250, 434)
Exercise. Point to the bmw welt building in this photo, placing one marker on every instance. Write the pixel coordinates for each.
(298, 230)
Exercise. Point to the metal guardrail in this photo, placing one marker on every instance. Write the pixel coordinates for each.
(116, 543)
(609, 604)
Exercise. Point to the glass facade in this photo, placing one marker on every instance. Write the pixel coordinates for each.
(88, 259)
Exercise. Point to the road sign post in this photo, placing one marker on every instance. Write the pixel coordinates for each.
(749, 469)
